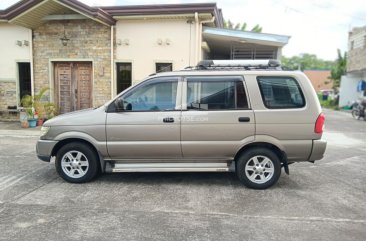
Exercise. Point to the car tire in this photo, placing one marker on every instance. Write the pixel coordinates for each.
(76, 162)
(258, 168)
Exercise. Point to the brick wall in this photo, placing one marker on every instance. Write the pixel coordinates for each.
(88, 40)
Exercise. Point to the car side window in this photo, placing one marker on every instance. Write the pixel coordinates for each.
(216, 93)
(154, 96)
(280, 92)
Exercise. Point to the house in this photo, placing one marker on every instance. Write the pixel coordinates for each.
(87, 55)
(353, 84)
(319, 79)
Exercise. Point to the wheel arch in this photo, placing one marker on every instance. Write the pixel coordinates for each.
(277, 150)
(63, 142)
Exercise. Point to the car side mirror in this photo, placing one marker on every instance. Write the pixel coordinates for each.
(119, 104)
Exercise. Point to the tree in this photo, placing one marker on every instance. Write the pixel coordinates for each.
(230, 25)
(305, 61)
(339, 68)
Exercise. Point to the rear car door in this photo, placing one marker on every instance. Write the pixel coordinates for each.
(216, 118)
(285, 113)
(148, 124)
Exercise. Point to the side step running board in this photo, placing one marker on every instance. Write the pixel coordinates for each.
(167, 167)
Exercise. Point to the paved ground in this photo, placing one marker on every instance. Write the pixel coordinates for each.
(321, 201)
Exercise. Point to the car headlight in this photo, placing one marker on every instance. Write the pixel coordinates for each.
(44, 130)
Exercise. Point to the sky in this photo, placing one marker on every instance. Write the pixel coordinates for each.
(317, 27)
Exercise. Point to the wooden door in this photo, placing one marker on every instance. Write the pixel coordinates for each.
(73, 85)
(84, 92)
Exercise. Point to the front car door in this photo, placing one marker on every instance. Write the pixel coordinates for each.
(216, 118)
(145, 121)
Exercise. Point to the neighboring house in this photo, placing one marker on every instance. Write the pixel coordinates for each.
(319, 79)
(87, 55)
(353, 86)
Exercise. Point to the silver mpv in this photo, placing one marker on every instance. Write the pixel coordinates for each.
(248, 117)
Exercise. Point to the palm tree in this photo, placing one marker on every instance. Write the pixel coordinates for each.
(339, 68)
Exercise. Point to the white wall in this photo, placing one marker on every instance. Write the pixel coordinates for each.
(10, 53)
(143, 50)
(348, 88)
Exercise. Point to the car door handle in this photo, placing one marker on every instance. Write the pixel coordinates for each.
(244, 119)
(168, 120)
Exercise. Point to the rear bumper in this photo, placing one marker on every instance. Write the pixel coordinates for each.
(318, 150)
(44, 149)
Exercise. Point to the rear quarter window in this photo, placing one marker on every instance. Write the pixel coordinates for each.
(280, 92)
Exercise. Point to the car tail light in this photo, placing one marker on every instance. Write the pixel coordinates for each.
(319, 124)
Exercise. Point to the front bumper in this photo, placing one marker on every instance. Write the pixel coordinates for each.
(44, 149)
(318, 150)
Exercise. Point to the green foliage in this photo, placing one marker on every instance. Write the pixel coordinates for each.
(26, 101)
(329, 103)
(39, 104)
(257, 29)
(29, 101)
(50, 110)
(230, 25)
(306, 61)
(339, 68)
(39, 96)
(35, 103)
(30, 113)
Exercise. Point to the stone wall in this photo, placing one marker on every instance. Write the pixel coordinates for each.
(7, 94)
(89, 40)
(8, 97)
(357, 50)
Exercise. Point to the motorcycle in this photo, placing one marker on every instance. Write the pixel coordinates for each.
(358, 110)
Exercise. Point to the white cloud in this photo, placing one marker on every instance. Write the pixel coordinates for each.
(6, 3)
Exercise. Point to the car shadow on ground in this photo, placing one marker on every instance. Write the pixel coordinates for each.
(158, 178)
(185, 178)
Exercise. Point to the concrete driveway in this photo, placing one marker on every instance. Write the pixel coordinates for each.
(321, 201)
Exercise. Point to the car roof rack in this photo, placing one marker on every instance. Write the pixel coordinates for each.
(239, 64)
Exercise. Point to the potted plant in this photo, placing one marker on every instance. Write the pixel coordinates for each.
(34, 107)
(39, 105)
(31, 117)
(26, 103)
(40, 109)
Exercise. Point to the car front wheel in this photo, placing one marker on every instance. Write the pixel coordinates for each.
(258, 168)
(76, 162)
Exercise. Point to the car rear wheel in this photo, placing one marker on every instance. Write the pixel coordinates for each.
(76, 162)
(258, 168)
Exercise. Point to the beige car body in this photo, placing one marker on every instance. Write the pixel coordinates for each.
(197, 140)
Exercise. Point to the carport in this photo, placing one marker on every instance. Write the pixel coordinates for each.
(219, 43)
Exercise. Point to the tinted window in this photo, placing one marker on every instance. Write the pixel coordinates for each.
(216, 93)
(156, 96)
(281, 92)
